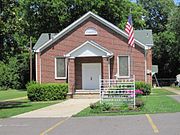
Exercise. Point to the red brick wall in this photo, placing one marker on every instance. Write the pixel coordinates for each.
(149, 65)
(106, 38)
(71, 75)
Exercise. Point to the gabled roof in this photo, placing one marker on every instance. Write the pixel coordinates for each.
(81, 20)
(89, 49)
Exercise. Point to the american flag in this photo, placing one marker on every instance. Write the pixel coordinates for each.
(130, 31)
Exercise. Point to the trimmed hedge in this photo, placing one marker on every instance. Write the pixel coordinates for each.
(46, 92)
(145, 87)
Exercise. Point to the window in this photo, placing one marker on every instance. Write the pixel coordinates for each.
(60, 68)
(123, 66)
(91, 31)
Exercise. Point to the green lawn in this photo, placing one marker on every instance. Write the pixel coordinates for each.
(157, 102)
(12, 108)
(10, 94)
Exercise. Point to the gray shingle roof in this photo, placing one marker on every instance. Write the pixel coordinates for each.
(144, 36)
(43, 39)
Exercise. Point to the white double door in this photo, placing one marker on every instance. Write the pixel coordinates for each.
(90, 76)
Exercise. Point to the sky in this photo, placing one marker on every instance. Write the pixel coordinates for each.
(176, 1)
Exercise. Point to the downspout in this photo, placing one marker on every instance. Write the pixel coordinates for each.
(40, 67)
(145, 66)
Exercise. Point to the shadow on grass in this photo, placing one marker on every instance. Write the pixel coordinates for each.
(13, 104)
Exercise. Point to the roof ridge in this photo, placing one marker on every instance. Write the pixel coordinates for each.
(78, 22)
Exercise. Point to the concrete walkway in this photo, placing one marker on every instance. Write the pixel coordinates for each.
(172, 90)
(176, 97)
(63, 109)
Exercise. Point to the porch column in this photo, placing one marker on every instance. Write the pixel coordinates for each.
(149, 66)
(105, 68)
(71, 75)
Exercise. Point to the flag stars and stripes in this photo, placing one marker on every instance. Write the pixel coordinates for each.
(130, 31)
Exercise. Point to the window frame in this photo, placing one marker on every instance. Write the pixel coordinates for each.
(56, 77)
(119, 69)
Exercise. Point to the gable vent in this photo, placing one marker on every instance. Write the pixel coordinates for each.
(91, 31)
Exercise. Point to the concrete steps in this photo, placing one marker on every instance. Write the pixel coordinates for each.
(86, 94)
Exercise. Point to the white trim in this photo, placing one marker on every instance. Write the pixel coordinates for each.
(117, 75)
(81, 20)
(55, 68)
(40, 68)
(94, 44)
(109, 76)
(145, 66)
(36, 66)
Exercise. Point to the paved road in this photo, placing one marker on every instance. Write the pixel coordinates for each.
(166, 124)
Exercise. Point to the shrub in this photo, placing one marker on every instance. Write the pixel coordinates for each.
(98, 107)
(30, 83)
(124, 107)
(94, 105)
(144, 87)
(138, 93)
(45, 92)
(106, 107)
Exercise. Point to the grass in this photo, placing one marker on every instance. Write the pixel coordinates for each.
(12, 108)
(157, 102)
(161, 92)
(10, 94)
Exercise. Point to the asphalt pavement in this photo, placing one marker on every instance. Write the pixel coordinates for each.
(161, 124)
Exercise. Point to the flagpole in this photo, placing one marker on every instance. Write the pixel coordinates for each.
(130, 31)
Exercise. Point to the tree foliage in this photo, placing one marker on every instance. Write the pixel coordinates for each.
(14, 73)
(166, 54)
(157, 14)
(22, 19)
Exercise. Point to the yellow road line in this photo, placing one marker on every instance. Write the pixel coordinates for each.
(54, 126)
(154, 127)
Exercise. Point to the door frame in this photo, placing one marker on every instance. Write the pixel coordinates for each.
(98, 76)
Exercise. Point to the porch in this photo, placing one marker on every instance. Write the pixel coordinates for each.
(86, 64)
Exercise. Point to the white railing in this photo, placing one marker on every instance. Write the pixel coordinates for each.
(117, 90)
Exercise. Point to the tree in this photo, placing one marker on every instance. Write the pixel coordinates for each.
(115, 11)
(174, 23)
(158, 12)
(166, 54)
(9, 27)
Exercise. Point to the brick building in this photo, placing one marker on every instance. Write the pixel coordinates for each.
(89, 48)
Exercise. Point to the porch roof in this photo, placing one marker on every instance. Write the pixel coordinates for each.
(89, 49)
